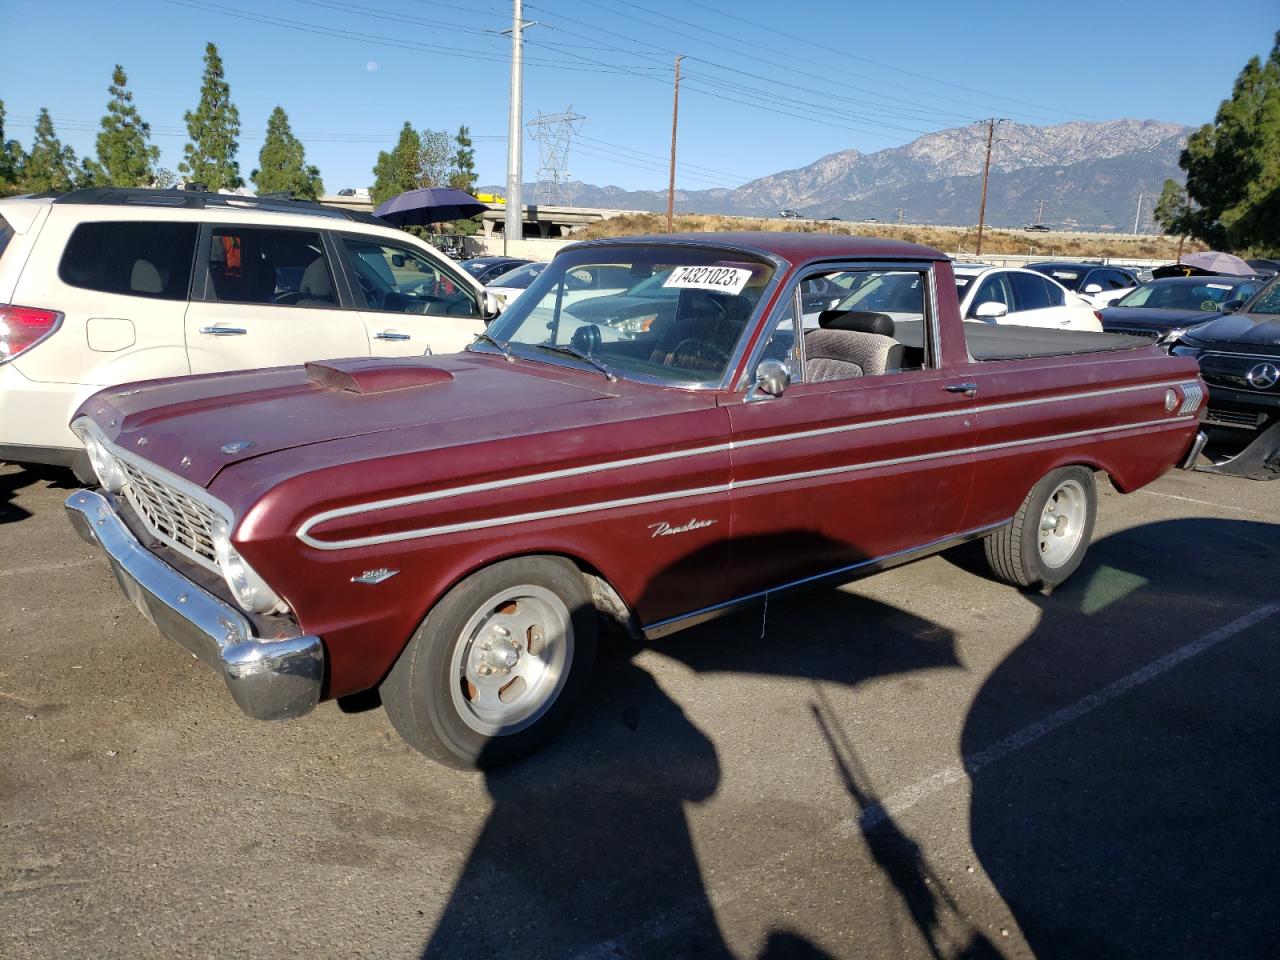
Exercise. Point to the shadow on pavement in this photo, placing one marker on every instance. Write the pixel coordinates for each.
(587, 851)
(14, 478)
(1146, 827)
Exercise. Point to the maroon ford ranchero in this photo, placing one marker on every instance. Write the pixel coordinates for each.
(658, 431)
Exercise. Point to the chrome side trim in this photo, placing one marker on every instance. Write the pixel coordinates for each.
(671, 625)
(1193, 452)
(728, 446)
(305, 537)
(269, 678)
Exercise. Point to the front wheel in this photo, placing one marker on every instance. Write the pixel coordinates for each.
(497, 665)
(1050, 533)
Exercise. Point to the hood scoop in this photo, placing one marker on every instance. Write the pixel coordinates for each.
(364, 375)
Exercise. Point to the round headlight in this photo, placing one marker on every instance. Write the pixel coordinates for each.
(249, 589)
(110, 475)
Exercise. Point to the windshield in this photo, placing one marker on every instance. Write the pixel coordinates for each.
(520, 277)
(1069, 277)
(679, 319)
(1269, 302)
(1177, 295)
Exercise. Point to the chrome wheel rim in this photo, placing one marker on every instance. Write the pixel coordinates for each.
(1062, 523)
(511, 660)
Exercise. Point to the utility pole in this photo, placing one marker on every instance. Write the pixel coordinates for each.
(986, 170)
(900, 212)
(675, 117)
(1040, 214)
(1138, 216)
(513, 225)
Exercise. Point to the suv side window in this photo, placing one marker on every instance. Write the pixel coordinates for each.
(131, 257)
(1029, 291)
(394, 279)
(269, 266)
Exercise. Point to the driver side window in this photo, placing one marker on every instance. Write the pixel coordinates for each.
(393, 279)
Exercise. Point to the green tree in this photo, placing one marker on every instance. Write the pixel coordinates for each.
(282, 163)
(1233, 165)
(1172, 211)
(210, 155)
(463, 174)
(397, 169)
(125, 158)
(12, 158)
(49, 165)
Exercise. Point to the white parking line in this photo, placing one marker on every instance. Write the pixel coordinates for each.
(46, 567)
(908, 797)
(665, 924)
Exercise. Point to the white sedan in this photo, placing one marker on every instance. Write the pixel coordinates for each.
(1007, 295)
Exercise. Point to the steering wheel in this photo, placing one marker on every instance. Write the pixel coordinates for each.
(586, 338)
(699, 349)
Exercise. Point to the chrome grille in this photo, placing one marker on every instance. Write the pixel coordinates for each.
(1135, 331)
(1191, 397)
(176, 518)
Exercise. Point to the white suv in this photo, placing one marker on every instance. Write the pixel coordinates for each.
(103, 286)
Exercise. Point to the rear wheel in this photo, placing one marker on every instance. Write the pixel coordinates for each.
(1050, 533)
(497, 664)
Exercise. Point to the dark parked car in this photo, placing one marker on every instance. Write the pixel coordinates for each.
(1083, 277)
(1168, 308)
(1239, 357)
(485, 269)
(1036, 228)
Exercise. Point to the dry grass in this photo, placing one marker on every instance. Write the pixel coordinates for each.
(950, 239)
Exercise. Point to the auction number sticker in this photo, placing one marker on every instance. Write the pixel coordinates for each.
(721, 279)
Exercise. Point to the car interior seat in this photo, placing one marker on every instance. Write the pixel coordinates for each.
(851, 343)
(145, 278)
(316, 288)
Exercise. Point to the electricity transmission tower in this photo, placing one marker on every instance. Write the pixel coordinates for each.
(553, 133)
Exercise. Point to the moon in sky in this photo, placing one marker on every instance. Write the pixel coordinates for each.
(371, 66)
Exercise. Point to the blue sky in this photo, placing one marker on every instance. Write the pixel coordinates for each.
(769, 86)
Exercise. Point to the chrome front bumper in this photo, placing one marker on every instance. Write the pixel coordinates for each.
(1188, 461)
(270, 679)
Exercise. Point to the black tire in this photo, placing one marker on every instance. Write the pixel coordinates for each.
(1015, 553)
(440, 688)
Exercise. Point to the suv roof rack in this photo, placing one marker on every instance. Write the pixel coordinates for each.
(197, 200)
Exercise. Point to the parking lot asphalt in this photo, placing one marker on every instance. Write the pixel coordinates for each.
(923, 763)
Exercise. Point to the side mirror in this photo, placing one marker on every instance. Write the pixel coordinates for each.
(1093, 288)
(397, 260)
(991, 310)
(491, 307)
(1231, 306)
(772, 378)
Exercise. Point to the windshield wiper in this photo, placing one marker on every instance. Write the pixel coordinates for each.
(502, 345)
(573, 351)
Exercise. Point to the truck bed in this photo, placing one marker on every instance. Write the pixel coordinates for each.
(990, 341)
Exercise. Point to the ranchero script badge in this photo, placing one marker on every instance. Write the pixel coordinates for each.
(665, 529)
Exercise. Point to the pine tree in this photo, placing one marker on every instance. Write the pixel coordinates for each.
(210, 156)
(12, 159)
(463, 174)
(282, 166)
(125, 158)
(397, 170)
(1233, 165)
(1172, 212)
(49, 165)
(434, 156)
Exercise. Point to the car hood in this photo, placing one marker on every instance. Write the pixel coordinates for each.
(1257, 333)
(1154, 318)
(196, 426)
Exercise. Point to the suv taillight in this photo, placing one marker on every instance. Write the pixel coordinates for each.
(23, 327)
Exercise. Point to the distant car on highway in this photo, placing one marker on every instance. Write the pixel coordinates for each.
(1036, 228)
(1167, 308)
(787, 214)
(485, 269)
(1007, 295)
(1097, 284)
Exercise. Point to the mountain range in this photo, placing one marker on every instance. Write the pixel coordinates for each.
(1087, 175)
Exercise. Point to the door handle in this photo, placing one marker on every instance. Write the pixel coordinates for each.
(968, 389)
(389, 335)
(224, 331)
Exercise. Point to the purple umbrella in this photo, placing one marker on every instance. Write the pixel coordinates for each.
(1215, 262)
(418, 208)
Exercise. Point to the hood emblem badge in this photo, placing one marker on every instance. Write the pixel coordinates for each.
(235, 446)
(375, 576)
(184, 462)
(142, 441)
